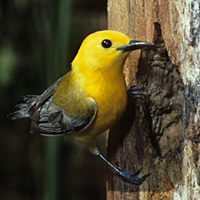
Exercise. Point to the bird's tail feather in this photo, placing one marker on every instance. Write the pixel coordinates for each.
(21, 110)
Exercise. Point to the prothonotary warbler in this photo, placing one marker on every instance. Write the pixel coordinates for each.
(89, 99)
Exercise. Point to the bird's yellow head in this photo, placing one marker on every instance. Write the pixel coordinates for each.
(105, 50)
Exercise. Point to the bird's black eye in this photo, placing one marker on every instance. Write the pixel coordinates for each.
(106, 43)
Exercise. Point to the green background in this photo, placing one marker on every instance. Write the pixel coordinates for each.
(38, 41)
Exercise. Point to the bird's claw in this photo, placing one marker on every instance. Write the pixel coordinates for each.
(130, 176)
(136, 92)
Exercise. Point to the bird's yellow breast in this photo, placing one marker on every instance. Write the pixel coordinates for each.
(108, 89)
(111, 98)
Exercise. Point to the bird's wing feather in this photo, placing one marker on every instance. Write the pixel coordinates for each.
(48, 119)
(28, 104)
(74, 114)
(46, 94)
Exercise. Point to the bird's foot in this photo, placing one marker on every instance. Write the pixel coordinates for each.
(136, 92)
(130, 176)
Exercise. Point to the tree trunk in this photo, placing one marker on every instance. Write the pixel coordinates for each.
(161, 133)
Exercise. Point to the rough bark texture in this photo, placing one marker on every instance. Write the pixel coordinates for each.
(160, 134)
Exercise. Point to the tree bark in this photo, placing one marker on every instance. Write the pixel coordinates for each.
(161, 133)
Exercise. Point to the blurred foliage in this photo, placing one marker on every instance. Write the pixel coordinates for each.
(7, 60)
(34, 38)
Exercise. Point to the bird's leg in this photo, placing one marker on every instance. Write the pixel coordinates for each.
(136, 93)
(127, 175)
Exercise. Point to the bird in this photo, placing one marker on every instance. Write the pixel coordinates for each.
(89, 99)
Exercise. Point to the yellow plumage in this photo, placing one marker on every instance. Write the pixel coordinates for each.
(96, 73)
(89, 99)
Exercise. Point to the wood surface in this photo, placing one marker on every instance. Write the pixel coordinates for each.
(161, 133)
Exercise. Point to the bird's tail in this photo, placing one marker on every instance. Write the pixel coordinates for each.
(22, 108)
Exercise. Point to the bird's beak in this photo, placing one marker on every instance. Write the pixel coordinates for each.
(133, 45)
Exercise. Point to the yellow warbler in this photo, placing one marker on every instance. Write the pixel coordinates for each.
(89, 99)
